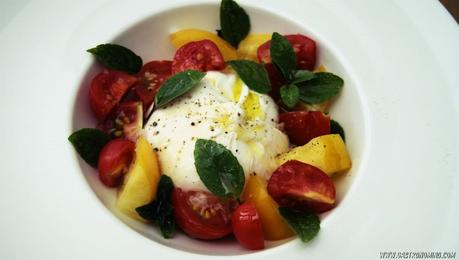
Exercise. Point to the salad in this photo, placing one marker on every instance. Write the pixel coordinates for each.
(231, 136)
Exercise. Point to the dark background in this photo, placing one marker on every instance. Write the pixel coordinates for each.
(453, 7)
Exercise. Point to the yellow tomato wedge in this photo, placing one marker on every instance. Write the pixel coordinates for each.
(327, 152)
(141, 181)
(248, 47)
(185, 36)
(274, 226)
(321, 68)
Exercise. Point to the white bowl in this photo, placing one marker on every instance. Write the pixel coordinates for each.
(149, 38)
(399, 108)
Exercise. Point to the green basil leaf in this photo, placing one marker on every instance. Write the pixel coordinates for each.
(234, 21)
(177, 85)
(302, 76)
(88, 142)
(161, 210)
(290, 95)
(218, 169)
(336, 128)
(305, 224)
(117, 57)
(148, 211)
(321, 88)
(253, 74)
(283, 56)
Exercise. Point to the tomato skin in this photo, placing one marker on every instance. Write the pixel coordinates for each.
(150, 78)
(193, 213)
(114, 161)
(247, 227)
(107, 89)
(199, 55)
(304, 48)
(263, 53)
(302, 186)
(302, 126)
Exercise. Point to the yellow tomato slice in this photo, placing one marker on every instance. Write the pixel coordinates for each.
(185, 36)
(326, 152)
(321, 68)
(141, 181)
(274, 226)
(248, 47)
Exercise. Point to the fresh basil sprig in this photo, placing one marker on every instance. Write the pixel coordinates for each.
(161, 210)
(234, 21)
(290, 95)
(336, 128)
(177, 85)
(218, 169)
(88, 142)
(321, 88)
(313, 88)
(304, 223)
(302, 76)
(253, 74)
(283, 56)
(117, 57)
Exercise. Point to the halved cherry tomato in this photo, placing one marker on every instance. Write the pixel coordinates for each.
(125, 121)
(247, 227)
(185, 36)
(304, 48)
(114, 161)
(107, 89)
(302, 186)
(200, 55)
(302, 126)
(201, 214)
(150, 78)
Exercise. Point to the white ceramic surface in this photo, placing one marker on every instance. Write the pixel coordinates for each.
(400, 110)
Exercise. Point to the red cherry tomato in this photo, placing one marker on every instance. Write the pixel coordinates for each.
(125, 121)
(302, 126)
(302, 186)
(201, 214)
(107, 89)
(114, 161)
(304, 48)
(247, 227)
(150, 78)
(200, 55)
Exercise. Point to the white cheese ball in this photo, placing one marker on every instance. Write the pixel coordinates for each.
(221, 108)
